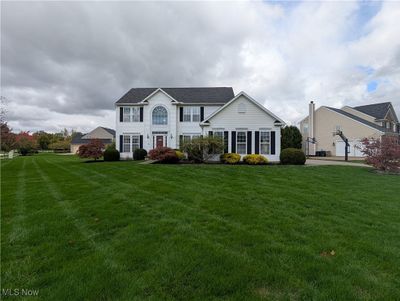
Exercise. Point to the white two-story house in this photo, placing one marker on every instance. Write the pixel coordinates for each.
(154, 117)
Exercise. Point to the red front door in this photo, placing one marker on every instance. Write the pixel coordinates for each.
(159, 141)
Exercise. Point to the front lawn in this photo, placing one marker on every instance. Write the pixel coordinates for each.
(126, 231)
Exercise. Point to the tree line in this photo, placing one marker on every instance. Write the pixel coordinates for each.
(27, 142)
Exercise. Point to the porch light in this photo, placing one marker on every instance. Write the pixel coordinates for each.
(148, 136)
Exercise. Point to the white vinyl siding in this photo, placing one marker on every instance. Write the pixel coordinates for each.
(265, 142)
(241, 142)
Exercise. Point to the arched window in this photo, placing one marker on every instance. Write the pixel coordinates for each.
(160, 115)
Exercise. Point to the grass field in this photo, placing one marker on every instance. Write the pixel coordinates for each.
(125, 231)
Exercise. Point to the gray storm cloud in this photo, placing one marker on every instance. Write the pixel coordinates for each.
(65, 64)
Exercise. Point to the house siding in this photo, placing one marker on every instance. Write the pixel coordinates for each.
(325, 124)
(253, 120)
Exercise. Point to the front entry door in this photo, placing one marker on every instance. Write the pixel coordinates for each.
(159, 141)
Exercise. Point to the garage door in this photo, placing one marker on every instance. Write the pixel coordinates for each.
(354, 150)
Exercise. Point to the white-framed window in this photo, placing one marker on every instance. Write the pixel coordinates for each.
(126, 144)
(131, 114)
(196, 114)
(135, 114)
(188, 137)
(265, 142)
(187, 114)
(127, 114)
(191, 114)
(241, 142)
(219, 134)
(160, 116)
(135, 142)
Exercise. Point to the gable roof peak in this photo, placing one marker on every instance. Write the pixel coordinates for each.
(377, 110)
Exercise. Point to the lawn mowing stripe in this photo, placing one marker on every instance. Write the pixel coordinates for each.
(19, 230)
(79, 224)
(194, 210)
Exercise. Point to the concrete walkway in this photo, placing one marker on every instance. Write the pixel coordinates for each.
(319, 162)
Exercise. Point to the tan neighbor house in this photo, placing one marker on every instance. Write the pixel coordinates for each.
(356, 123)
(105, 135)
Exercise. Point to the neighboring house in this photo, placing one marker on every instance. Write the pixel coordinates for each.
(356, 123)
(105, 135)
(154, 117)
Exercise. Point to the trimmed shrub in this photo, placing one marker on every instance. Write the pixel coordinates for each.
(230, 158)
(255, 159)
(139, 154)
(111, 154)
(180, 155)
(202, 149)
(164, 155)
(292, 156)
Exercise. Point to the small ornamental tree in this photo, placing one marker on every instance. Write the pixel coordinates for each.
(383, 154)
(92, 150)
(291, 137)
(202, 149)
(7, 138)
(25, 143)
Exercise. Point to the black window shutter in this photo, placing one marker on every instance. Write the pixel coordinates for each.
(248, 142)
(226, 133)
(121, 114)
(141, 141)
(141, 114)
(233, 142)
(180, 141)
(181, 114)
(201, 113)
(272, 142)
(210, 133)
(257, 142)
(121, 139)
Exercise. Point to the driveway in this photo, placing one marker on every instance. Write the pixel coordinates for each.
(313, 162)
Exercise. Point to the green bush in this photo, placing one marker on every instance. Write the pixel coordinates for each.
(111, 154)
(292, 156)
(255, 159)
(139, 154)
(230, 158)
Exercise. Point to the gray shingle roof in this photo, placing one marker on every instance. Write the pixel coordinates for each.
(377, 110)
(77, 139)
(354, 117)
(207, 95)
(111, 131)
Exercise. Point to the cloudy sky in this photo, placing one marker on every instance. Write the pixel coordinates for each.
(64, 64)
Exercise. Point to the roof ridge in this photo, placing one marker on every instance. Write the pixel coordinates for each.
(373, 104)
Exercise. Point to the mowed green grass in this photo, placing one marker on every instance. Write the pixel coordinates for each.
(126, 231)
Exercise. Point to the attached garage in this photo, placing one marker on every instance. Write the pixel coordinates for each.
(353, 151)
